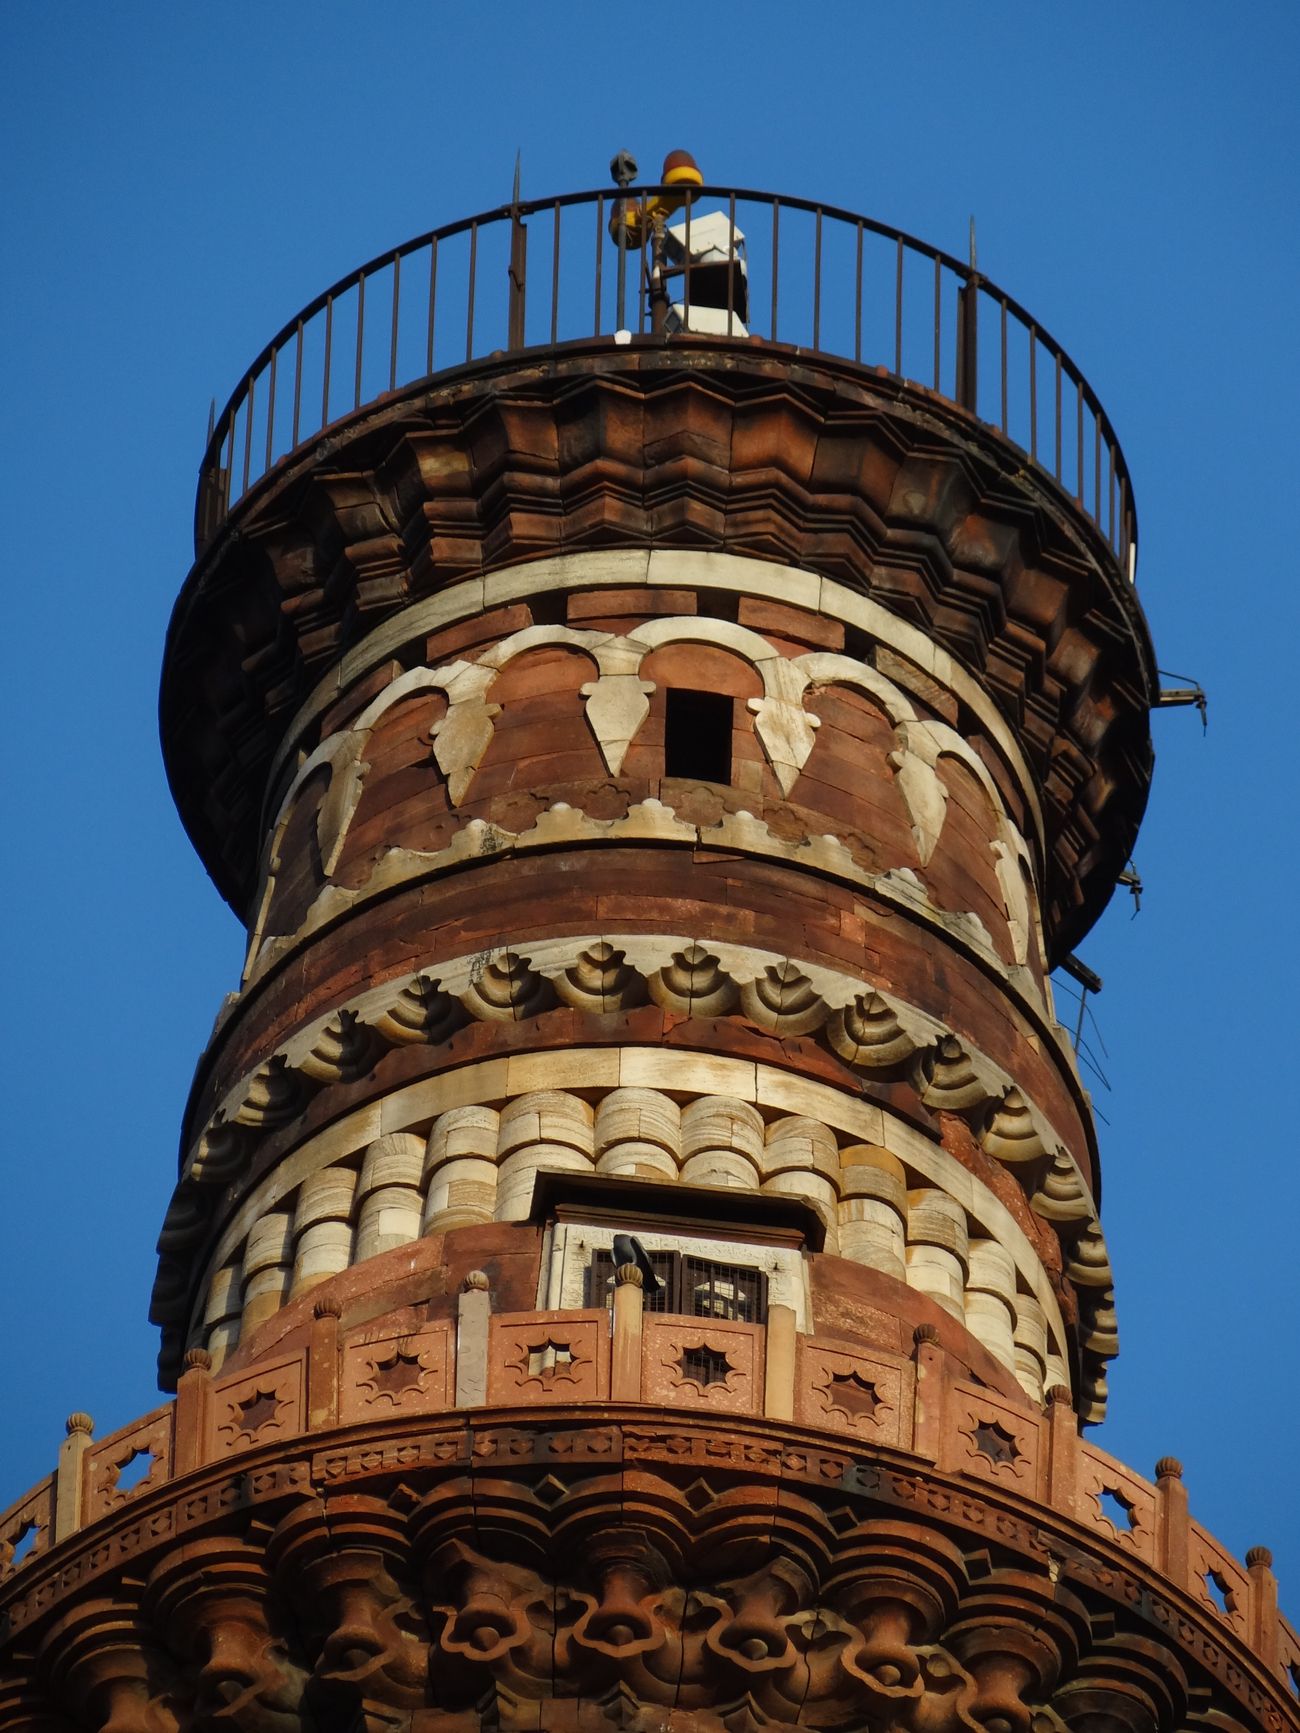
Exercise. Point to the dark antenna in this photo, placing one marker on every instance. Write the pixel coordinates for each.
(1089, 982)
(623, 170)
(1176, 697)
(1131, 879)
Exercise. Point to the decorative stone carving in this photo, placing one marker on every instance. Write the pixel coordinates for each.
(947, 1077)
(694, 984)
(461, 737)
(420, 1013)
(1011, 1136)
(600, 981)
(868, 1033)
(783, 1000)
(617, 705)
(506, 990)
(646, 821)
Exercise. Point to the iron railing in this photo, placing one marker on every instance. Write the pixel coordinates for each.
(542, 272)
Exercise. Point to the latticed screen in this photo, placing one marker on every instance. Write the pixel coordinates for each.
(692, 1287)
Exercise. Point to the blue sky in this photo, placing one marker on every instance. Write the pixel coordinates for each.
(179, 179)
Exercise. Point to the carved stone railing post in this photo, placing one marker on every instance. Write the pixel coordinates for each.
(1063, 1450)
(778, 1382)
(473, 1312)
(1263, 1604)
(68, 1478)
(193, 1412)
(625, 1359)
(323, 1365)
(1172, 1520)
(927, 1431)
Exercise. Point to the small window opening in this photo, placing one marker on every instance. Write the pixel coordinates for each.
(1216, 1586)
(697, 735)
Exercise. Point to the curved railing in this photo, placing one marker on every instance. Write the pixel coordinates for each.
(542, 272)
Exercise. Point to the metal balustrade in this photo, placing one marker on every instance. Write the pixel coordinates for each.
(545, 272)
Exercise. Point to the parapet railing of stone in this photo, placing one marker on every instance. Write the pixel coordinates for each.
(340, 1379)
(543, 272)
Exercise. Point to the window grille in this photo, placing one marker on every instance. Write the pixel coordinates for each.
(692, 1287)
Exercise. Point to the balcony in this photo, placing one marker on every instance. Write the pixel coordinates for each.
(541, 274)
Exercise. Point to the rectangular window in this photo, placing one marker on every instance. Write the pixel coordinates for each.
(692, 1287)
(697, 735)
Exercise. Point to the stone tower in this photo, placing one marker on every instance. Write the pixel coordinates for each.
(661, 682)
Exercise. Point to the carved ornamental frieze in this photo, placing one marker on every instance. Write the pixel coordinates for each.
(672, 1573)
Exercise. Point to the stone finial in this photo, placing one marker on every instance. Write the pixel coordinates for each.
(627, 1275)
(1259, 1555)
(327, 1306)
(1058, 1393)
(197, 1360)
(476, 1282)
(1169, 1468)
(80, 1423)
(924, 1333)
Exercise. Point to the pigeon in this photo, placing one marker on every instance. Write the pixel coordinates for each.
(629, 1250)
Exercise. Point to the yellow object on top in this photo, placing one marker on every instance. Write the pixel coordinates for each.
(636, 218)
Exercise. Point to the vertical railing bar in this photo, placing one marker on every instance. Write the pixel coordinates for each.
(1110, 495)
(600, 254)
(1057, 471)
(938, 284)
(297, 383)
(686, 273)
(1033, 392)
(1004, 363)
(433, 301)
(898, 310)
(270, 412)
(644, 290)
(731, 263)
(248, 432)
(817, 281)
(230, 465)
(1096, 466)
(857, 301)
(555, 273)
(776, 259)
(392, 348)
(469, 292)
(329, 361)
(361, 333)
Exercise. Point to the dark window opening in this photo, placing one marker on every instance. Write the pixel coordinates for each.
(549, 607)
(697, 735)
(690, 1287)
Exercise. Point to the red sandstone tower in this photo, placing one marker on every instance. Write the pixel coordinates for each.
(659, 748)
